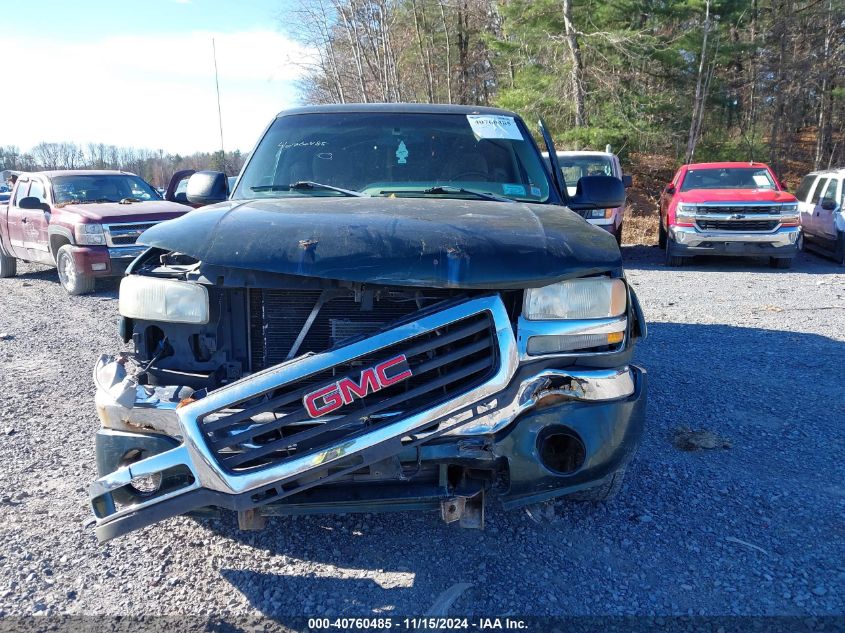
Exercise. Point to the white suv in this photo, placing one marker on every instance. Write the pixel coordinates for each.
(821, 203)
(575, 164)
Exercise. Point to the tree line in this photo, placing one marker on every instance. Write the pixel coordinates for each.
(694, 79)
(154, 166)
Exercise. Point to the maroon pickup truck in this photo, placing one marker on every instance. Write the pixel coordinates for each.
(83, 222)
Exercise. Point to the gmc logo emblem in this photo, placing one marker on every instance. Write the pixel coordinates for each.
(344, 391)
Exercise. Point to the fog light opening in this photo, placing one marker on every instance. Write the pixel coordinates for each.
(561, 451)
(146, 484)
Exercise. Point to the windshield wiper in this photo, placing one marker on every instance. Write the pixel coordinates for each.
(446, 190)
(308, 185)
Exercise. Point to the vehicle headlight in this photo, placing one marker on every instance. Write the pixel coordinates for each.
(599, 214)
(153, 299)
(790, 208)
(89, 234)
(685, 212)
(593, 298)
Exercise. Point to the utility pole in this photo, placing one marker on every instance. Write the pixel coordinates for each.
(219, 113)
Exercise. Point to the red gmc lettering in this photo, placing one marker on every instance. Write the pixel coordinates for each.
(333, 396)
(349, 388)
(381, 370)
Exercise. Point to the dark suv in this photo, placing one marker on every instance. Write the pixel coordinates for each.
(392, 309)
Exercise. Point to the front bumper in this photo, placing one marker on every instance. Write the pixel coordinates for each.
(493, 426)
(102, 261)
(689, 241)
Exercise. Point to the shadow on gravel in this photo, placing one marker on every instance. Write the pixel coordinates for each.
(741, 530)
(639, 257)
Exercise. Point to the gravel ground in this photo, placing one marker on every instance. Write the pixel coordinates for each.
(750, 354)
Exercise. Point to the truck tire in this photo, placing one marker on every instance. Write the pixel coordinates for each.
(661, 235)
(839, 252)
(74, 281)
(619, 236)
(603, 492)
(673, 260)
(780, 262)
(8, 265)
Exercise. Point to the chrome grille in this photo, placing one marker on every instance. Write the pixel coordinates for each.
(737, 225)
(740, 209)
(125, 234)
(275, 426)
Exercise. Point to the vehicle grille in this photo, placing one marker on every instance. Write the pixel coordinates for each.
(125, 234)
(737, 225)
(274, 426)
(741, 209)
(277, 316)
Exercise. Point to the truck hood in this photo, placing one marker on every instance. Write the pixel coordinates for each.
(399, 241)
(734, 195)
(134, 212)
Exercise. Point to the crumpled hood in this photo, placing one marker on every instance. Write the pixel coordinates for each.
(400, 241)
(734, 195)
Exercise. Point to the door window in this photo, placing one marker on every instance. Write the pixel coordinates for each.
(830, 192)
(817, 193)
(36, 189)
(20, 192)
(804, 188)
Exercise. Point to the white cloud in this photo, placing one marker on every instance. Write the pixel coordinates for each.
(153, 91)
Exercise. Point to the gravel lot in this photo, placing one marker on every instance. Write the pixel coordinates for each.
(751, 354)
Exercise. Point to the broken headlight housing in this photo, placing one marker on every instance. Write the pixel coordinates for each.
(153, 299)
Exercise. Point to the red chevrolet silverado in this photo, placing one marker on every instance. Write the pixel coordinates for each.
(735, 209)
(84, 222)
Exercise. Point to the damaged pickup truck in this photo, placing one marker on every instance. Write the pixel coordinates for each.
(392, 310)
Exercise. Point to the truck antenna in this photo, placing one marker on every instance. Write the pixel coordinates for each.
(219, 113)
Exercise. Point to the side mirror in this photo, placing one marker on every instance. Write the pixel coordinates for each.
(32, 203)
(670, 189)
(207, 187)
(627, 180)
(827, 204)
(597, 192)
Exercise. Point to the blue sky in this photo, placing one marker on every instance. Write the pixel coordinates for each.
(140, 73)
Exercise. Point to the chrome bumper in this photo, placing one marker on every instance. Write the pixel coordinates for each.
(125, 252)
(124, 406)
(692, 236)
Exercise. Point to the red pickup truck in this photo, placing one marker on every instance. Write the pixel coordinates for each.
(728, 209)
(84, 222)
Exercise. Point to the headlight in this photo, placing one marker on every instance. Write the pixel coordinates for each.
(89, 234)
(685, 213)
(154, 299)
(789, 214)
(599, 214)
(594, 298)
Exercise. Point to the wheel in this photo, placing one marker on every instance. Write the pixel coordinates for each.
(604, 492)
(673, 260)
(839, 253)
(799, 243)
(619, 236)
(74, 281)
(780, 262)
(661, 236)
(8, 265)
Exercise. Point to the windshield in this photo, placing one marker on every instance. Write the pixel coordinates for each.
(101, 188)
(728, 178)
(400, 154)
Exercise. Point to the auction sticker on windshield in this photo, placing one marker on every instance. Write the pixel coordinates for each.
(494, 126)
